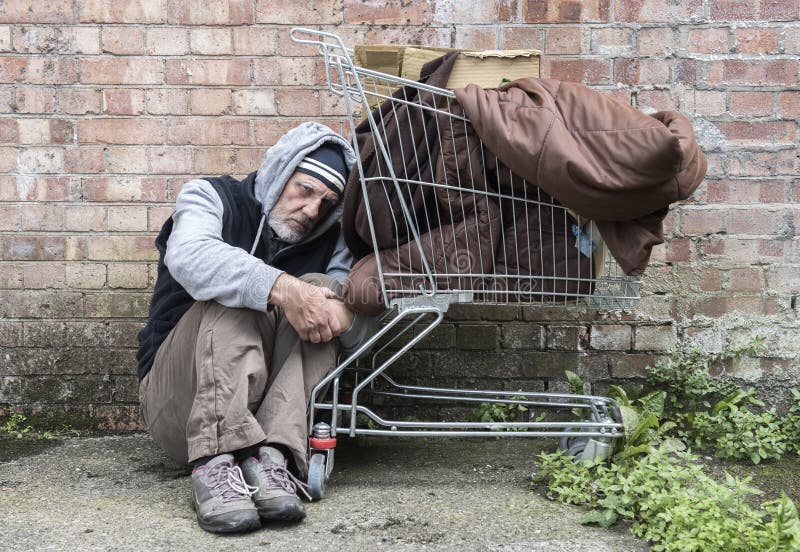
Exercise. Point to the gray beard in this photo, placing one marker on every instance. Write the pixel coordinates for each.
(284, 232)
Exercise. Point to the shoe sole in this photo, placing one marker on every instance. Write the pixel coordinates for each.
(289, 512)
(239, 526)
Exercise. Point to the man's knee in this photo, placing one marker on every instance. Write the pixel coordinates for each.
(323, 280)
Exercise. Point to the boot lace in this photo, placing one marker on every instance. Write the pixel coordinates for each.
(229, 482)
(278, 477)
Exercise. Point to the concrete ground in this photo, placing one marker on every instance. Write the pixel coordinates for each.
(119, 492)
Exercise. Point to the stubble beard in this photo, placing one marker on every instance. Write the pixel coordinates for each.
(285, 232)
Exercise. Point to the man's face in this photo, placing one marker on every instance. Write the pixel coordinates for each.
(304, 201)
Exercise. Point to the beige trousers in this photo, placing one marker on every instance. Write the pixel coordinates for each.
(226, 379)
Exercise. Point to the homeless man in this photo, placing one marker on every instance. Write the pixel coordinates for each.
(243, 323)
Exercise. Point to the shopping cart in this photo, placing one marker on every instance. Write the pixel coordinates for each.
(465, 230)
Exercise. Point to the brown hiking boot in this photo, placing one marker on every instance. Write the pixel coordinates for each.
(276, 497)
(221, 498)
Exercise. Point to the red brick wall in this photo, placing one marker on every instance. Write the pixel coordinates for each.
(108, 106)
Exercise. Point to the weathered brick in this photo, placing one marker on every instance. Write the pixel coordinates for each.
(522, 336)
(9, 131)
(761, 221)
(630, 365)
(42, 217)
(122, 70)
(585, 71)
(285, 71)
(476, 337)
(514, 38)
(41, 304)
(37, 188)
(300, 12)
(57, 11)
(700, 222)
(84, 159)
(9, 218)
(78, 101)
(51, 70)
(156, 216)
(268, 131)
(120, 131)
(128, 275)
(211, 41)
(13, 69)
(641, 11)
(254, 41)
(169, 160)
(126, 159)
(85, 218)
(655, 338)
(111, 11)
(392, 12)
(211, 132)
(641, 71)
(167, 102)
(127, 218)
(611, 337)
(477, 38)
(709, 41)
(791, 40)
(210, 101)
(86, 275)
(37, 99)
(254, 102)
(745, 280)
(611, 41)
(540, 11)
(758, 132)
(208, 71)
(212, 12)
(550, 364)
(297, 102)
(123, 101)
(754, 40)
(564, 40)
(43, 275)
(659, 100)
(751, 104)
(31, 131)
(166, 41)
(41, 160)
(737, 10)
(34, 39)
(8, 159)
(5, 39)
(658, 41)
(123, 40)
(79, 40)
(753, 72)
(567, 338)
(778, 10)
(789, 105)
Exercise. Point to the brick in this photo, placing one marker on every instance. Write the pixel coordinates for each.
(127, 275)
(709, 41)
(753, 72)
(41, 160)
(625, 366)
(79, 40)
(169, 160)
(9, 218)
(756, 40)
(295, 102)
(611, 337)
(235, 161)
(641, 71)
(123, 40)
(122, 248)
(84, 218)
(476, 39)
(295, 71)
(112, 11)
(120, 131)
(254, 102)
(514, 38)
(10, 278)
(157, 216)
(128, 190)
(51, 70)
(760, 221)
(791, 40)
(789, 105)
(565, 11)
(732, 191)
(127, 218)
(8, 159)
(756, 132)
(30, 188)
(564, 40)
(778, 10)
(86, 275)
(745, 280)
(41, 304)
(586, 71)
(213, 12)
(12, 69)
(656, 41)
(300, 12)
(33, 40)
(640, 11)
(210, 132)
(211, 42)
(9, 131)
(211, 71)
(116, 305)
(710, 280)
(123, 101)
(169, 41)
(210, 101)
(268, 131)
(78, 101)
(700, 222)
(394, 12)
(126, 159)
(84, 160)
(522, 336)
(476, 337)
(122, 70)
(61, 131)
(5, 39)
(736, 10)
(57, 11)
(655, 338)
(567, 338)
(44, 276)
(659, 100)
(751, 104)
(167, 102)
(254, 41)
(34, 248)
(42, 217)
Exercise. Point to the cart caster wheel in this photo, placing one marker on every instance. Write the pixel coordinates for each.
(576, 449)
(565, 443)
(316, 476)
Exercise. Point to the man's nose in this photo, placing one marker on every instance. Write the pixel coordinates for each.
(311, 208)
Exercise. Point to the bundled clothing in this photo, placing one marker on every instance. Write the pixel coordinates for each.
(575, 147)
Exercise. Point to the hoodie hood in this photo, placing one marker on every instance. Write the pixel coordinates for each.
(282, 159)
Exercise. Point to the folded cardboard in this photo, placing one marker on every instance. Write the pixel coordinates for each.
(486, 68)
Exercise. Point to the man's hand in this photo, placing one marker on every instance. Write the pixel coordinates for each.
(313, 311)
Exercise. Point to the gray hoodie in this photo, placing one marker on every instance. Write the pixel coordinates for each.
(210, 269)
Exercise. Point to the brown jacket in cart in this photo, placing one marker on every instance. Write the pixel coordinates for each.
(601, 158)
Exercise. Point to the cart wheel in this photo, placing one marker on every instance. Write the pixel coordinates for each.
(566, 442)
(316, 476)
(577, 448)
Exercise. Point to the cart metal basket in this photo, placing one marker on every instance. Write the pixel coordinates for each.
(467, 231)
